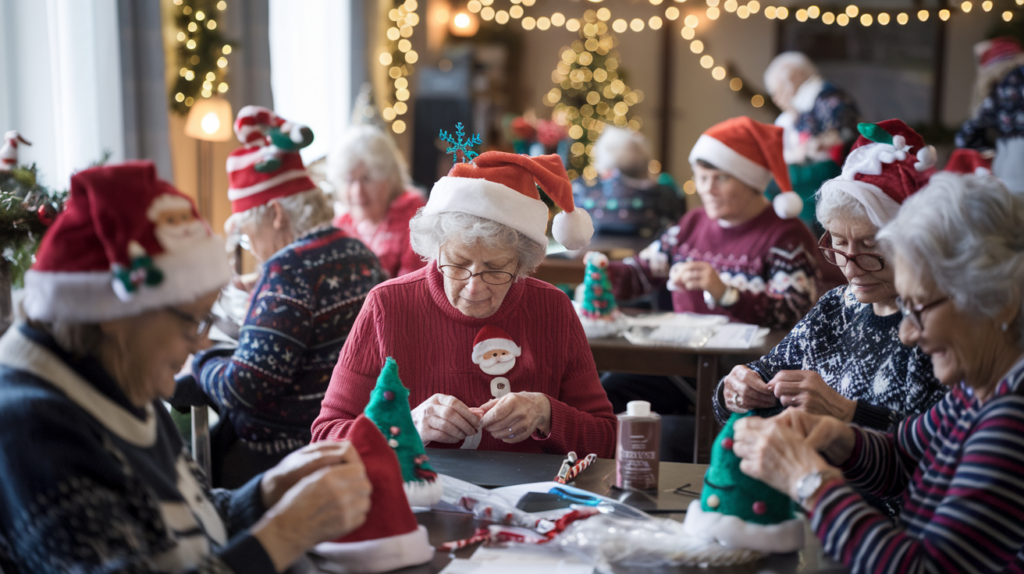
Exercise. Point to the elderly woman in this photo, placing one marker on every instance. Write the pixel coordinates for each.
(313, 281)
(370, 177)
(845, 358)
(958, 249)
(482, 370)
(625, 200)
(96, 478)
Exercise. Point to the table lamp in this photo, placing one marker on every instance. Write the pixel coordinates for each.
(209, 120)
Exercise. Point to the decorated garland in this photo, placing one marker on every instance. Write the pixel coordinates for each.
(201, 53)
(27, 209)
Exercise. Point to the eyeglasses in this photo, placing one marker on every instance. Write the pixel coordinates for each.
(462, 274)
(866, 261)
(913, 313)
(202, 325)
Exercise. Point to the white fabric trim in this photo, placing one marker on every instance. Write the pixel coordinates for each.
(496, 343)
(19, 352)
(1007, 164)
(252, 156)
(805, 96)
(880, 207)
(733, 532)
(235, 194)
(492, 201)
(373, 556)
(423, 493)
(88, 297)
(730, 161)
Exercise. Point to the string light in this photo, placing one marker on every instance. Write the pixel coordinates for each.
(986, 5)
(966, 7)
(866, 20)
(1007, 16)
(399, 56)
(828, 18)
(201, 69)
(902, 18)
(883, 19)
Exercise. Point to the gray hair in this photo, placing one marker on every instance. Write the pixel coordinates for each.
(371, 147)
(838, 205)
(622, 149)
(76, 339)
(964, 233)
(306, 211)
(778, 70)
(429, 232)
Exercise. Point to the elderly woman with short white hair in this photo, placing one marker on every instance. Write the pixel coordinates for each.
(958, 251)
(312, 283)
(482, 370)
(844, 358)
(372, 184)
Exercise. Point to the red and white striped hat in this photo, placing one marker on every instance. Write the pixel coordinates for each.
(260, 170)
(995, 50)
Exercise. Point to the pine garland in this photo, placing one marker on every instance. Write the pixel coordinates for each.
(201, 54)
(27, 209)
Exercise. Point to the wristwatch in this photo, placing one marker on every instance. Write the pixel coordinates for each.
(807, 485)
(730, 296)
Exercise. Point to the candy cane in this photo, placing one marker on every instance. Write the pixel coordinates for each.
(579, 467)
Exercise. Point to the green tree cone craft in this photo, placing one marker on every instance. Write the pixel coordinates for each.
(739, 512)
(389, 410)
(599, 313)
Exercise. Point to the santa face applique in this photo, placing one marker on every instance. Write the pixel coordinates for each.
(175, 224)
(496, 352)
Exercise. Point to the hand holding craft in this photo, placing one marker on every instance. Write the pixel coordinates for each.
(516, 416)
(744, 389)
(444, 418)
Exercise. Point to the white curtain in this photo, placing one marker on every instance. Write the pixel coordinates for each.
(310, 69)
(60, 83)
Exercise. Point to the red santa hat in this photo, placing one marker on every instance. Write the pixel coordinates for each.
(969, 161)
(996, 50)
(492, 338)
(390, 538)
(887, 164)
(268, 166)
(752, 153)
(503, 187)
(125, 243)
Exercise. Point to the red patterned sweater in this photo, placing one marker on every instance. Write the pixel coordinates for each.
(773, 263)
(411, 319)
(389, 240)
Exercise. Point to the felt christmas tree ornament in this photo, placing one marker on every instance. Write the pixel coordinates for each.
(752, 153)
(390, 538)
(389, 410)
(970, 161)
(503, 187)
(125, 243)
(599, 314)
(738, 512)
(887, 164)
(268, 166)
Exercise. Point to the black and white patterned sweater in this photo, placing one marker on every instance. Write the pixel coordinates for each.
(859, 354)
(94, 484)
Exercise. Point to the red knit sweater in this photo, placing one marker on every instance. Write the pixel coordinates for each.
(389, 240)
(411, 319)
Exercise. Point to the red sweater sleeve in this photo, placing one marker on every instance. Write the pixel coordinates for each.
(354, 376)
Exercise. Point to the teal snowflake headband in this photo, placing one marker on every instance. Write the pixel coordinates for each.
(457, 145)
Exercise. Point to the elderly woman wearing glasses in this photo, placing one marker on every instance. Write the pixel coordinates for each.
(958, 250)
(95, 475)
(493, 359)
(844, 358)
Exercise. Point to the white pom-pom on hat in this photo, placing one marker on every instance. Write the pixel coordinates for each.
(926, 158)
(573, 229)
(788, 205)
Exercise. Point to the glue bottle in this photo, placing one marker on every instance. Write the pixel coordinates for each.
(638, 448)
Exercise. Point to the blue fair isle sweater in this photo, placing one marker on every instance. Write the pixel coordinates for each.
(302, 309)
(93, 484)
(858, 354)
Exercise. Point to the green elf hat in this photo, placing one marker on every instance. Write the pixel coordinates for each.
(739, 512)
(389, 410)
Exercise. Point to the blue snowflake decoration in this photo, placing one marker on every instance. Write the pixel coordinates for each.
(458, 145)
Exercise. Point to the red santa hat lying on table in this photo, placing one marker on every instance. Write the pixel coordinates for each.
(887, 164)
(752, 153)
(502, 187)
(970, 162)
(129, 243)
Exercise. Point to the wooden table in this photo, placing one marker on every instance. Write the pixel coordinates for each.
(568, 266)
(498, 469)
(706, 365)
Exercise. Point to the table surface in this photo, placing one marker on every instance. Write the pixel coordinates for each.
(499, 469)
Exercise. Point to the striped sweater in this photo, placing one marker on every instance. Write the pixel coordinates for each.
(303, 306)
(960, 469)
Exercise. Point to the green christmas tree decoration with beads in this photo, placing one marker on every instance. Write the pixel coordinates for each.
(389, 410)
(738, 512)
(598, 299)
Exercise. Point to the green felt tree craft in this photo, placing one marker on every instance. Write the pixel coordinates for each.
(598, 299)
(728, 491)
(389, 410)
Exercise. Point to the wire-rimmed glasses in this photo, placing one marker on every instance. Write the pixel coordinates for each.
(913, 313)
(869, 262)
(462, 274)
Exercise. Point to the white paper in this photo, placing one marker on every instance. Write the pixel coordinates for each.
(691, 320)
(507, 566)
(736, 336)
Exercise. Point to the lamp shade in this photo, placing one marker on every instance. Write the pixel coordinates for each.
(210, 119)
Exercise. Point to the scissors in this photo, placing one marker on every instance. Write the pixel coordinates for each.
(603, 505)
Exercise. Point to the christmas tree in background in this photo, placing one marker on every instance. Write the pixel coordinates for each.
(202, 52)
(389, 410)
(591, 92)
(598, 300)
